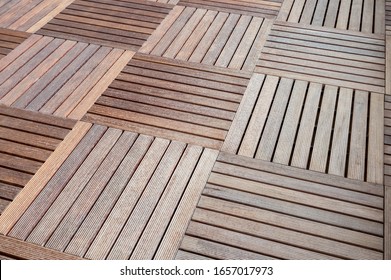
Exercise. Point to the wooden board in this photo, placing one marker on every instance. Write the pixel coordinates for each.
(27, 140)
(10, 39)
(171, 99)
(243, 207)
(340, 58)
(357, 15)
(312, 126)
(125, 24)
(388, 17)
(30, 15)
(257, 8)
(58, 77)
(111, 179)
(209, 37)
(12, 248)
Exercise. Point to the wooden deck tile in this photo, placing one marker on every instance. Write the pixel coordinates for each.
(29, 15)
(125, 24)
(11, 248)
(256, 8)
(209, 37)
(58, 77)
(251, 209)
(10, 39)
(117, 195)
(339, 58)
(319, 127)
(172, 99)
(27, 139)
(357, 15)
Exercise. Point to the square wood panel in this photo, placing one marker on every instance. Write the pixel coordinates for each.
(172, 99)
(257, 8)
(58, 77)
(117, 195)
(325, 128)
(356, 15)
(209, 37)
(252, 209)
(27, 139)
(340, 58)
(10, 39)
(124, 24)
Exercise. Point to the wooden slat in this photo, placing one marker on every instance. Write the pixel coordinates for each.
(64, 84)
(263, 9)
(27, 195)
(55, 184)
(60, 206)
(85, 234)
(10, 39)
(117, 107)
(99, 14)
(284, 236)
(210, 37)
(135, 224)
(293, 51)
(233, 212)
(127, 178)
(176, 230)
(32, 15)
(208, 249)
(27, 139)
(23, 250)
(312, 130)
(357, 15)
(161, 217)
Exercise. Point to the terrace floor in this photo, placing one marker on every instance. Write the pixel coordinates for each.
(195, 129)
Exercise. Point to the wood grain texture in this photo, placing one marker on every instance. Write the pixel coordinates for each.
(387, 224)
(257, 8)
(16, 249)
(30, 15)
(36, 137)
(366, 16)
(332, 139)
(324, 55)
(172, 99)
(59, 77)
(10, 39)
(210, 37)
(118, 195)
(243, 205)
(125, 24)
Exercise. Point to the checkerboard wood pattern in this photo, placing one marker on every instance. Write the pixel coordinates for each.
(195, 129)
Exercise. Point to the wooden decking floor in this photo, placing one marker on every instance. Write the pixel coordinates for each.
(195, 129)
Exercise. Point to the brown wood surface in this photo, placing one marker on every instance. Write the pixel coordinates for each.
(158, 194)
(10, 39)
(262, 9)
(209, 37)
(211, 129)
(300, 135)
(59, 77)
(234, 211)
(324, 56)
(14, 248)
(367, 16)
(124, 24)
(29, 15)
(27, 140)
(156, 96)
